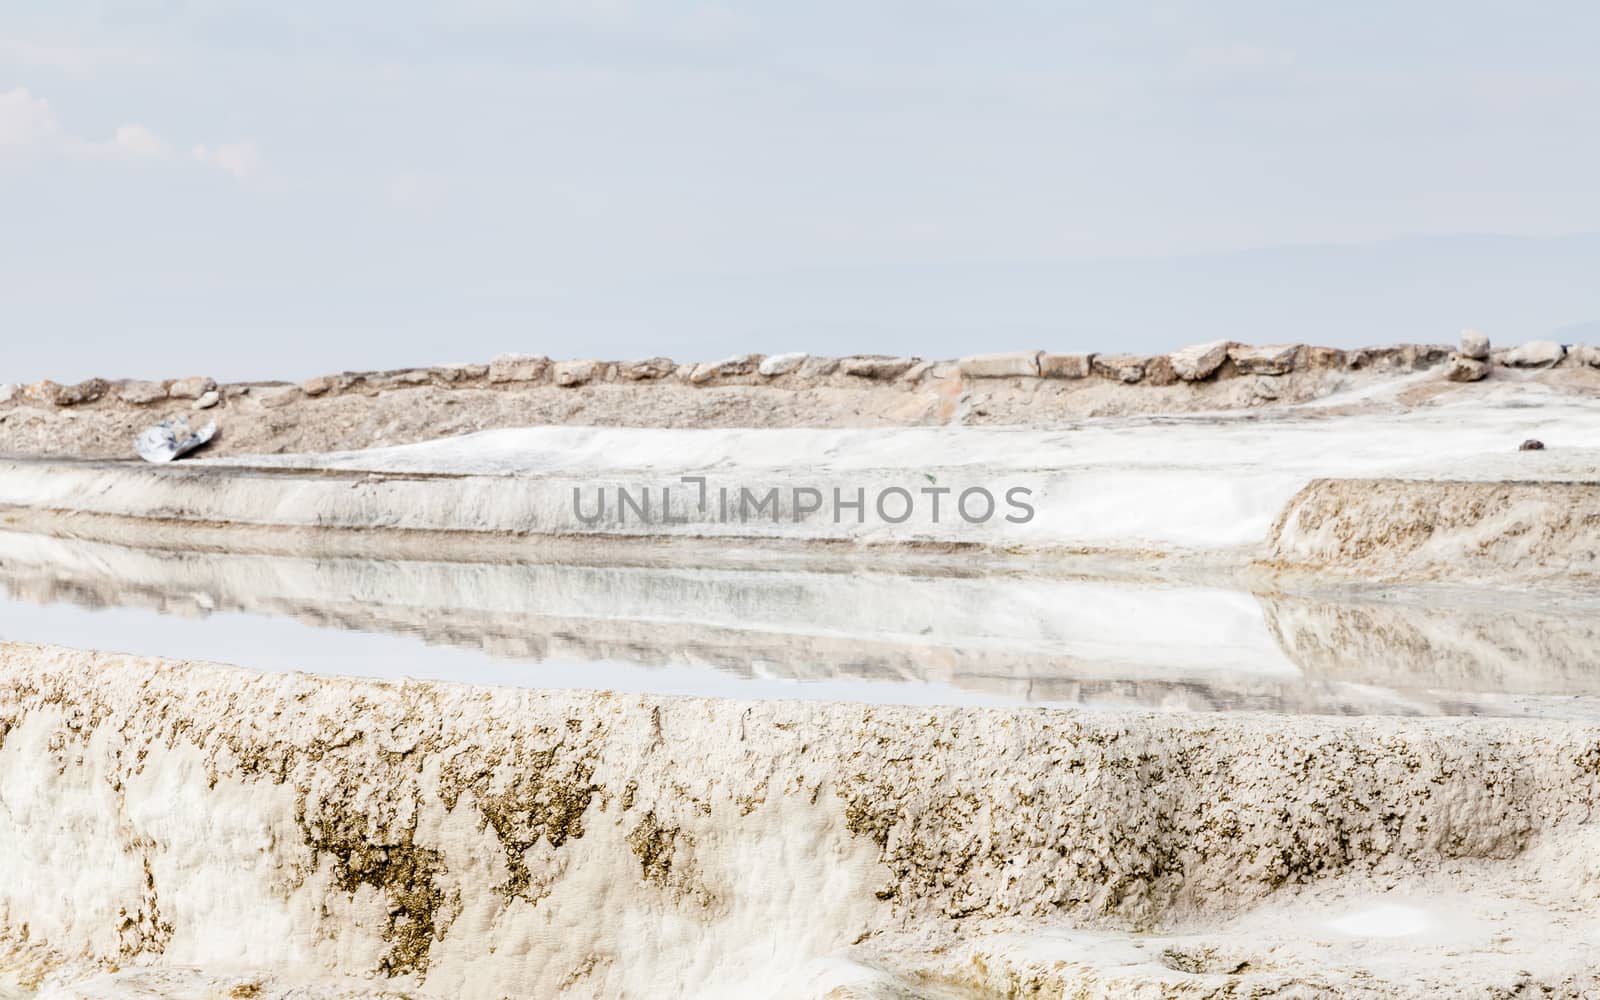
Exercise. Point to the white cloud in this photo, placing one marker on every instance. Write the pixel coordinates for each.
(139, 142)
(242, 159)
(26, 121)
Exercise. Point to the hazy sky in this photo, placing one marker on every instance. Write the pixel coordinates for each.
(278, 189)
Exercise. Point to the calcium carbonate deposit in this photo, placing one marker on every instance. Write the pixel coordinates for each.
(1240, 672)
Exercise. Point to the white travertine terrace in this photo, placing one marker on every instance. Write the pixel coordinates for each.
(472, 842)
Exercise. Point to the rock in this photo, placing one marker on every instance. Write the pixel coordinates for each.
(518, 368)
(275, 396)
(738, 364)
(1425, 356)
(1532, 444)
(457, 371)
(1534, 354)
(1266, 387)
(192, 387)
(317, 386)
(1464, 369)
(576, 373)
(1199, 361)
(141, 393)
(1474, 345)
(1122, 367)
(874, 367)
(1065, 365)
(647, 368)
(1323, 358)
(818, 367)
(782, 364)
(1000, 365)
(171, 439)
(8, 391)
(1270, 359)
(1158, 370)
(1374, 357)
(207, 400)
(1589, 355)
(55, 394)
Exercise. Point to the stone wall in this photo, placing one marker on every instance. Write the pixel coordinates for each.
(1219, 360)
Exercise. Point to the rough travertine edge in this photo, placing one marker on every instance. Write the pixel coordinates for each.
(419, 832)
(1441, 530)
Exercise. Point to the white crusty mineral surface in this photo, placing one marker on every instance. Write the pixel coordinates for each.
(476, 842)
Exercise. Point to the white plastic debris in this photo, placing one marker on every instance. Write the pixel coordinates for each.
(172, 438)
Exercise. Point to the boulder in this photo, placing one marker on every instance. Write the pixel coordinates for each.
(192, 387)
(1270, 359)
(142, 393)
(1362, 358)
(738, 364)
(1534, 354)
(1323, 358)
(876, 367)
(576, 373)
(1589, 355)
(1427, 355)
(818, 367)
(646, 368)
(1474, 345)
(457, 371)
(518, 368)
(1000, 365)
(1065, 365)
(318, 385)
(207, 400)
(274, 396)
(55, 394)
(1122, 367)
(782, 364)
(1532, 444)
(8, 391)
(1199, 361)
(1158, 370)
(1465, 369)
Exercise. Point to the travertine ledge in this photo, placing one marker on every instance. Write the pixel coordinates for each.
(473, 842)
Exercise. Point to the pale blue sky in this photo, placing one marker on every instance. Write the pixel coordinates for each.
(275, 190)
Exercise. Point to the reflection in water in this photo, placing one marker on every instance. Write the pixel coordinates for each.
(866, 636)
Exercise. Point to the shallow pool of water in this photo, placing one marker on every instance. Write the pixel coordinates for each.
(996, 639)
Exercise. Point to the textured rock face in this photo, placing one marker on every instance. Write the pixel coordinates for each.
(1065, 365)
(141, 393)
(647, 368)
(518, 368)
(1276, 359)
(1125, 368)
(575, 373)
(1466, 369)
(1535, 354)
(1000, 365)
(1475, 345)
(880, 369)
(192, 387)
(1199, 361)
(1393, 529)
(455, 839)
(782, 364)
